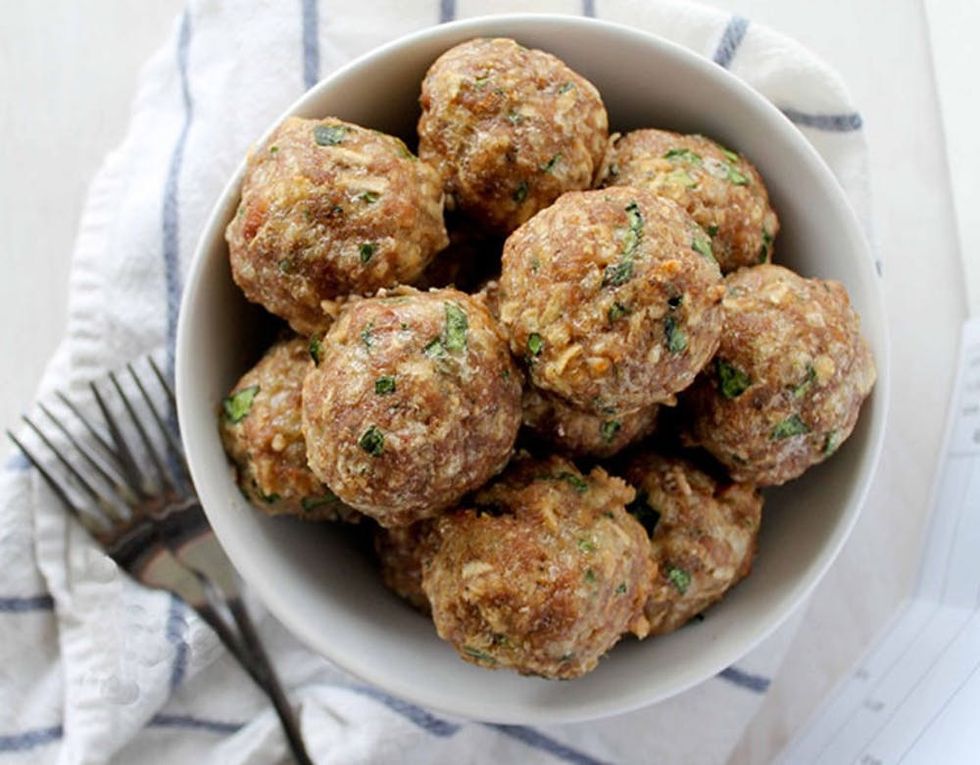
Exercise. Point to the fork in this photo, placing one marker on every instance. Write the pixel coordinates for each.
(146, 516)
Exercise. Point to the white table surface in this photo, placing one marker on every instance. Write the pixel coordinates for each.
(68, 70)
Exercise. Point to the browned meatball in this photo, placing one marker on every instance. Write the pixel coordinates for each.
(786, 386)
(262, 433)
(721, 190)
(415, 402)
(509, 129)
(610, 299)
(581, 433)
(402, 552)
(329, 208)
(544, 575)
(702, 535)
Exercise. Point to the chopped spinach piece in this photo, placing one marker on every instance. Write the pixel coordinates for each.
(702, 247)
(574, 481)
(640, 509)
(313, 503)
(316, 349)
(273, 149)
(675, 337)
(712, 231)
(586, 545)
(367, 335)
(831, 444)
(766, 246)
(367, 251)
(456, 326)
(618, 311)
(621, 272)
(520, 193)
(800, 390)
(481, 81)
(535, 344)
(329, 135)
(286, 265)
(369, 197)
(680, 578)
(514, 117)
(681, 177)
(732, 381)
(566, 87)
(622, 589)
(737, 177)
(685, 155)
(609, 429)
(372, 441)
(791, 426)
(731, 155)
(238, 404)
(479, 655)
(589, 576)
(384, 385)
(269, 498)
(617, 274)
(435, 349)
(548, 166)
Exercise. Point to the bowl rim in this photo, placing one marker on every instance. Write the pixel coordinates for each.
(372, 672)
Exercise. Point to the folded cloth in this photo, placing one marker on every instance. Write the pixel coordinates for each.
(92, 666)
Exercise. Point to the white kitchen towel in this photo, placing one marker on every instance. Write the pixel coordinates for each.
(93, 667)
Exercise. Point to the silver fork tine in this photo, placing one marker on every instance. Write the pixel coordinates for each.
(92, 523)
(162, 473)
(134, 488)
(122, 452)
(174, 448)
(163, 382)
(112, 478)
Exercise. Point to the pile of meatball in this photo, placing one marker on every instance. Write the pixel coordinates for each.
(555, 416)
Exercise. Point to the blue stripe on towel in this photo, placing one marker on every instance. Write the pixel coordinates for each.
(834, 123)
(175, 635)
(311, 43)
(171, 217)
(422, 718)
(731, 39)
(17, 605)
(188, 722)
(447, 11)
(17, 462)
(538, 740)
(29, 739)
(746, 680)
(588, 8)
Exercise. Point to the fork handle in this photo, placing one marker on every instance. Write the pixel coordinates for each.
(267, 678)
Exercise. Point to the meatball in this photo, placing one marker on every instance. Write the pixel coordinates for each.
(720, 189)
(612, 297)
(786, 386)
(415, 402)
(402, 552)
(509, 129)
(330, 208)
(580, 433)
(544, 574)
(702, 535)
(262, 433)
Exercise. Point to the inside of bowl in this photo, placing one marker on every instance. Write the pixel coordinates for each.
(328, 592)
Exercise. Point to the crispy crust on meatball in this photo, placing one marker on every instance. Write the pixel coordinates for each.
(509, 129)
(544, 574)
(329, 208)
(262, 434)
(415, 402)
(721, 190)
(786, 386)
(581, 433)
(612, 299)
(402, 552)
(702, 535)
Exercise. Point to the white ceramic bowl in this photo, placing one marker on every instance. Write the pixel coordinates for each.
(330, 595)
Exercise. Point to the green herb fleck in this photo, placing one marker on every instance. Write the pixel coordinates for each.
(535, 344)
(372, 441)
(684, 154)
(800, 390)
(737, 177)
(574, 481)
(505, 373)
(482, 80)
(566, 87)
(622, 589)
(456, 326)
(732, 381)
(712, 231)
(535, 265)
(680, 578)
(286, 265)
(404, 152)
(520, 193)
(590, 576)
(329, 135)
(479, 655)
(316, 349)
(586, 545)
(647, 516)
(269, 498)
(617, 274)
(514, 117)
(702, 247)
(791, 426)
(621, 272)
(367, 335)
(548, 166)
(766, 247)
(731, 155)
(618, 311)
(367, 251)
(238, 404)
(609, 429)
(675, 337)
(369, 197)
(273, 149)
(313, 503)
(831, 444)
(435, 349)
(682, 178)
(384, 385)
